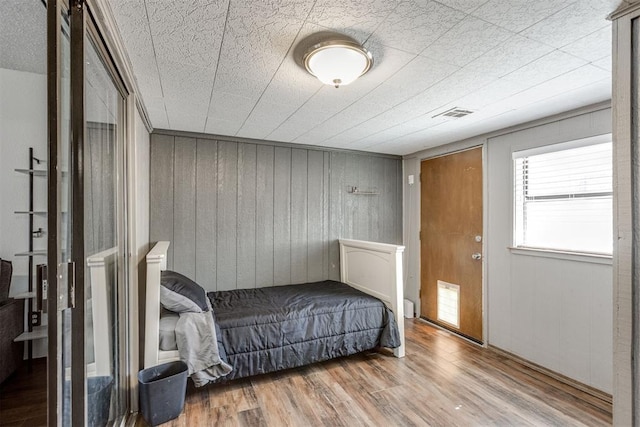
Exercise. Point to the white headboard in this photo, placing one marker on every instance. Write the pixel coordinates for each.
(156, 263)
(376, 269)
(101, 276)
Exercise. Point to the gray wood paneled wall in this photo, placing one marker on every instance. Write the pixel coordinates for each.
(100, 188)
(243, 215)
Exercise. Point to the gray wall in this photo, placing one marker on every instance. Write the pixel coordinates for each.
(99, 188)
(243, 215)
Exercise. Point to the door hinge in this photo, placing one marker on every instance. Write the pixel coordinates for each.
(66, 285)
(419, 235)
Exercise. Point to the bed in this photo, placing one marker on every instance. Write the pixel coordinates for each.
(269, 329)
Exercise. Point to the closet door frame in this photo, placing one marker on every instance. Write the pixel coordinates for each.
(626, 214)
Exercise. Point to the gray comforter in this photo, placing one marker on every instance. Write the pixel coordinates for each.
(270, 329)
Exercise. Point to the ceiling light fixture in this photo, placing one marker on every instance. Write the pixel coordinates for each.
(337, 62)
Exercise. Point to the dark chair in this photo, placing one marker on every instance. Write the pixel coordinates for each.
(11, 324)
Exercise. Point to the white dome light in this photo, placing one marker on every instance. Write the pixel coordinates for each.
(337, 63)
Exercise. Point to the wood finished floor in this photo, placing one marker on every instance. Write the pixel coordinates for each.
(23, 396)
(442, 381)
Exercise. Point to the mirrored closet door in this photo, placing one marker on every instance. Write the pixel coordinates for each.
(86, 258)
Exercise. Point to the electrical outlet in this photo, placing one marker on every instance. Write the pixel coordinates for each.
(35, 318)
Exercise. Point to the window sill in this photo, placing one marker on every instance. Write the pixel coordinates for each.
(570, 256)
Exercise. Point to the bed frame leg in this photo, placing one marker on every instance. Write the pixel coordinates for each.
(399, 352)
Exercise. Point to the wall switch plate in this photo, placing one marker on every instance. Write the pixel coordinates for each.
(411, 179)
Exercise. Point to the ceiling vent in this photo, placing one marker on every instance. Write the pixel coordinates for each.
(454, 113)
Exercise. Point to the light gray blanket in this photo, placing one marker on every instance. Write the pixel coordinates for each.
(198, 347)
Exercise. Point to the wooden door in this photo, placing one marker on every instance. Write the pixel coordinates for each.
(451, 242)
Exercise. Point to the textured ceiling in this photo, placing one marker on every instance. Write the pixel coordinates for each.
(227, 67)
(23, 35)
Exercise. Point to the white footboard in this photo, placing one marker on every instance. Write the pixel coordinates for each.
(156, 263)
(376, 269)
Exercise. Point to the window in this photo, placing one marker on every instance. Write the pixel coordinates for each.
(563, 197)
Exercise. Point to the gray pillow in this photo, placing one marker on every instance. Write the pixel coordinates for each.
(181, 294)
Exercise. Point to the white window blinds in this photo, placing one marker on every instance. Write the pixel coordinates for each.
(563, 198)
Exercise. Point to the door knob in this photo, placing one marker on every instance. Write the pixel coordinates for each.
(477, 255)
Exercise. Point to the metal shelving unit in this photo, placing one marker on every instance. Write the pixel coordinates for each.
(34, 329)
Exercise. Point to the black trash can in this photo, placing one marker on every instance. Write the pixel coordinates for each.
(162, 390)
(98, 401)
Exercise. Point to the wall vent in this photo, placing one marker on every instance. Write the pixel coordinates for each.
(454, 113)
